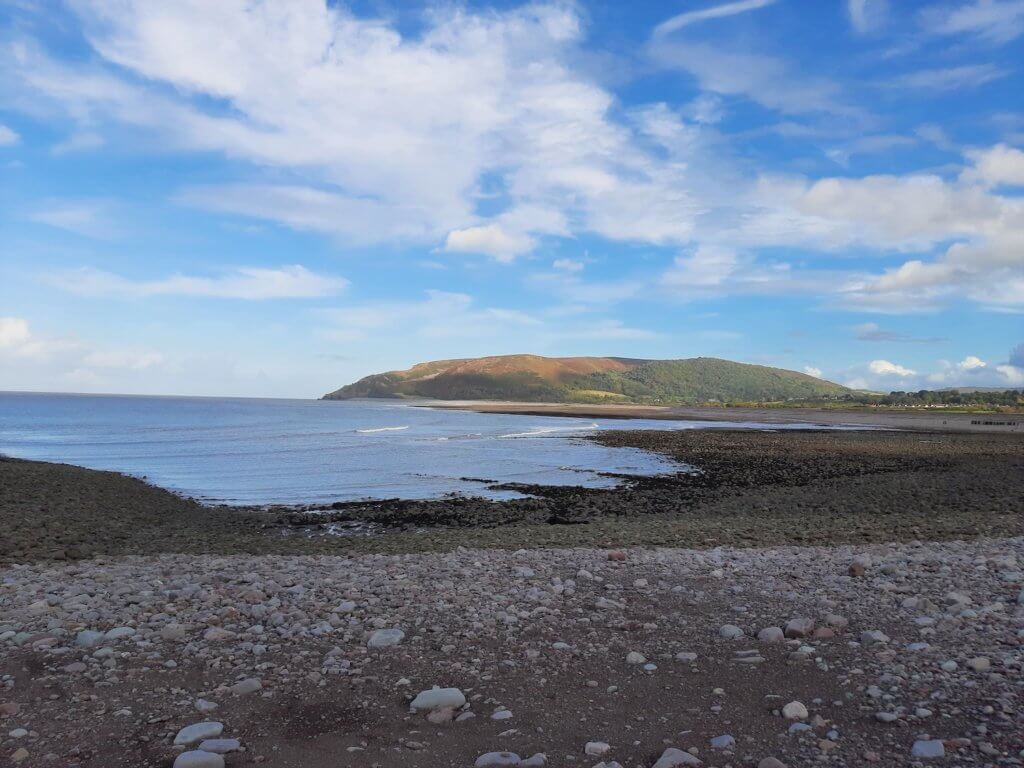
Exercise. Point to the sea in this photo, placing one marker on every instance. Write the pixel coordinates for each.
(248, 451)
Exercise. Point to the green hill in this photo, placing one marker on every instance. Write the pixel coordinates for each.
(533, 378)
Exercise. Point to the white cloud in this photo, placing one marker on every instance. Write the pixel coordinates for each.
(22, 350)
(971, 363)
(8, 137)
(1012, 374)
(13, 332)
(810, 370)
(252, 283)
(710, 266)
(372, 135)
(490, 240)
(885, 368)
(994, 21)
(996, 165)
(715, 12)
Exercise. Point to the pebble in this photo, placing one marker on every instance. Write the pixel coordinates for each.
(795, 710)
(928, 749)
(597, 748)
(799, 627)
(220, 746)
(730, 632)
(723, 742)
(635, 658)
(87, 638)
(873, 636)
(384, 638)
(771, 762)
(672, 758)
(771, 635)
(247, 686)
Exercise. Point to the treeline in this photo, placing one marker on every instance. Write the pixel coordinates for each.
(1011, 398)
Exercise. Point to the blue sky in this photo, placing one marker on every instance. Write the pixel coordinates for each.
(275, 198)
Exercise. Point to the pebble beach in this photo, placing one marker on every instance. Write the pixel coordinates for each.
(656, 639)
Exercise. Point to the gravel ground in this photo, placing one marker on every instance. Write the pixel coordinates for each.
(579, 654)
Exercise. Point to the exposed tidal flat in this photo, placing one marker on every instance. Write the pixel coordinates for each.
(749, 488)
(802, 598)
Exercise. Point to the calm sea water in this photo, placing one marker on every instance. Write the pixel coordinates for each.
(261, 451)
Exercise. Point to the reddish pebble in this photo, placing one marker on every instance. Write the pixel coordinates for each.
(823, 633)
(617, 556)
(857, 569)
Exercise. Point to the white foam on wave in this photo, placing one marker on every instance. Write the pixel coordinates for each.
(538, 431)
(380, 429)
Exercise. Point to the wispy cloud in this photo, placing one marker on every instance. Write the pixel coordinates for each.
(866, 15)
(714, 12)
(8, 136)
(874, 332)
(250, 283)
(948, 78)
(994, 21)
(88, 218)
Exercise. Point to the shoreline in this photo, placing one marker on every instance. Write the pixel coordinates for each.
(1009, 423)
(754, 488)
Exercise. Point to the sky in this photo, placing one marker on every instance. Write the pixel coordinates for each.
(268, 198)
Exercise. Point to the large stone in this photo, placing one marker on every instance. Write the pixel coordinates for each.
(673, 758)
(438, 698)
(384, 638)
(497, 760)
(771, 635)
(723, 742)
(193, 734)
(597, 748)
(199, 759)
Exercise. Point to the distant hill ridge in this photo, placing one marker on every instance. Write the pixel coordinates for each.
(533, 378)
